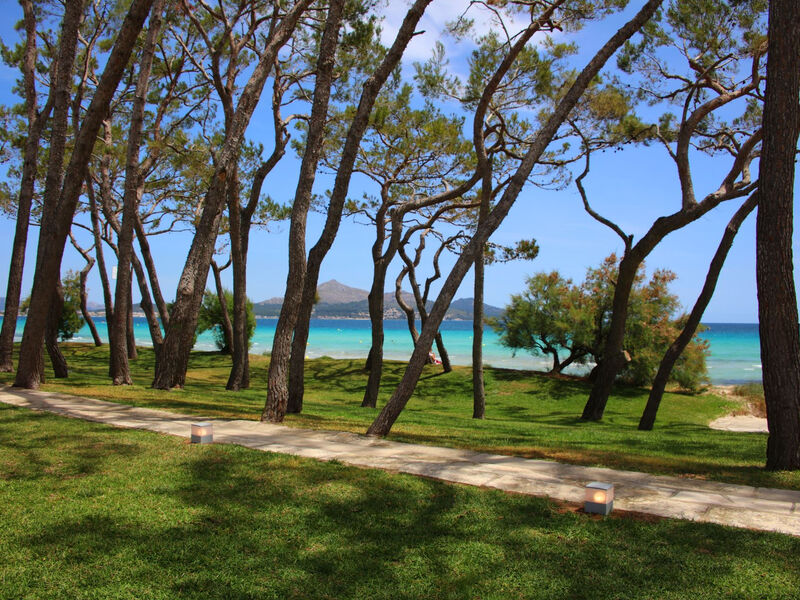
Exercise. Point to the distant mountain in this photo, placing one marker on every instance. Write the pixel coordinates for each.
(462, 308)
(333, 292)
(339, 301)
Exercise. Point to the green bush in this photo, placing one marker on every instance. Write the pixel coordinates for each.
(570, 323)
(210, 317)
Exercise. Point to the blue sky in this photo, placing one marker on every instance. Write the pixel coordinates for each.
(632, 187)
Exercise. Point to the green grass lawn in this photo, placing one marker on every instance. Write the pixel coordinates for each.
(528, 414)
(90, 511)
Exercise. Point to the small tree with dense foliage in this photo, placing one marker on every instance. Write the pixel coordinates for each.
(553, 316)
(210, 317)
(538, 320)
(70, 320)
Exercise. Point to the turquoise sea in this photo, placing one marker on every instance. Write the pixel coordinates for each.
(735, 352)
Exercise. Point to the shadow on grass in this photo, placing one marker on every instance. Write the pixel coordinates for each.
(234, 523)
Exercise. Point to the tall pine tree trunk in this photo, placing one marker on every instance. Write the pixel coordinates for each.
(278, 377)
(178, 341)
(31, 360)
(777, 302)
(120, 328)
(384, 421)
(60, 368)
(614, 358)
(301, 287)
(53, 233)
(239, 378)
(227, 326)
(478, 390)
(679, 345)
(36, 123)
(375, 301)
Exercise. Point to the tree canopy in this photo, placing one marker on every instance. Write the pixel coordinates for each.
(555, 317)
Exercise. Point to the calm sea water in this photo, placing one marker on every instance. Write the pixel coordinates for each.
(735, 352)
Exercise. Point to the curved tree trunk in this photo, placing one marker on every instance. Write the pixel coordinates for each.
(384, 421)
(152, 274)
(777, 302)
(36, 123)
(84, 296)
(411, 315)
(178, 341)
(84, 304)
(278, 376)
(121, 326)
(239, 378)
(146, 305)
(444, 356)
(301, 286)
(31, 361)
(679, 345)
(375, 301)
(614, 358)
(227, 327)
(108, 302)
(380, 263)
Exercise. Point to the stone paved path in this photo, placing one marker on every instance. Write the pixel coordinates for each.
(727, 504)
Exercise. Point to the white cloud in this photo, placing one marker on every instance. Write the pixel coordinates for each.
(434, 23)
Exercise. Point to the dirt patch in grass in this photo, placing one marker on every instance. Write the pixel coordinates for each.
(749, 395)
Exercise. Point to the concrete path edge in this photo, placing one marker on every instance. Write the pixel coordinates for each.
(763, 509)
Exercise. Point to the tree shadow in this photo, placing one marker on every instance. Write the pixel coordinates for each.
(237, 524)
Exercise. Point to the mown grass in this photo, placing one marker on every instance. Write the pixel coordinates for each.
(91, 511)
(528, 414)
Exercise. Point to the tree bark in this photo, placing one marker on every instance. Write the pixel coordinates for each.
(239, 377)
(240, 224)
(84, 303)
(411, 316)
(119, 329)
(31, 360)
(478, 390)
(53, 234)
(36, 123)
(152, 274)
(94, 212)
(130, 338)
(60, 367)
(613, 358)
(147, 307)
(304, 289)
(375, 302)
(777, 301)
(171, 369)
(277, 379)
(383, 423)
(679, 345)
(227, 326)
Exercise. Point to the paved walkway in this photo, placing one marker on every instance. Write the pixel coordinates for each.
(727, 504)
